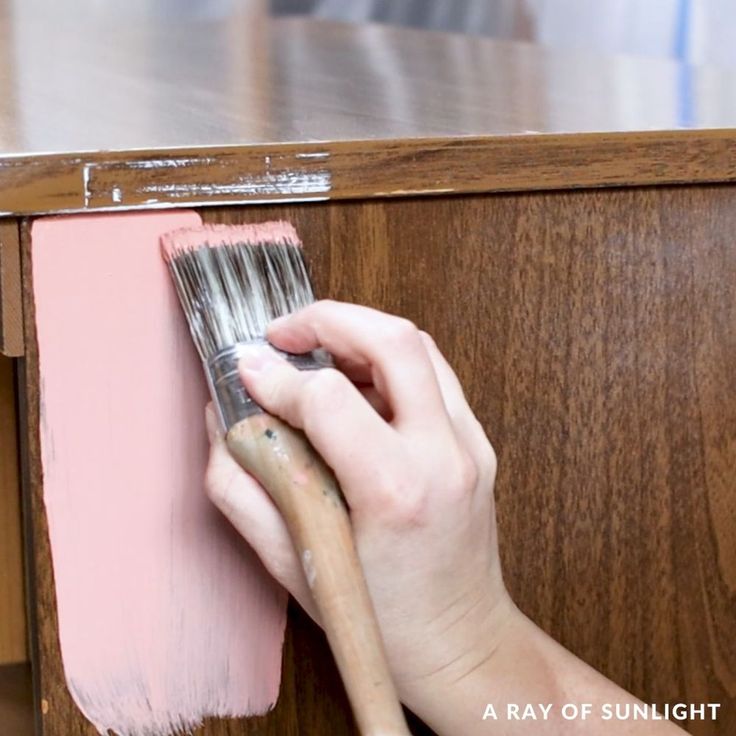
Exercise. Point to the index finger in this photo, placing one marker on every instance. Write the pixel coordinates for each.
(390, 347)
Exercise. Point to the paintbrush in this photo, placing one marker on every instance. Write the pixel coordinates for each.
(231, 282)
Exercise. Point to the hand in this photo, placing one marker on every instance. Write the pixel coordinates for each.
(417, 472)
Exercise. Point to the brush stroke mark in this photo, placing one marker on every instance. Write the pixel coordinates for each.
(165, 615)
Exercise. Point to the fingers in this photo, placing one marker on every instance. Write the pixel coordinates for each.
(390, 346)
(250, 510)
(371, 395)
(342, 426)
(470, 432)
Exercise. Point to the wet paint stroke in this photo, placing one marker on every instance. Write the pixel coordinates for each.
(165, 615)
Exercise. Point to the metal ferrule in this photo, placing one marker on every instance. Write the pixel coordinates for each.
(226, 387)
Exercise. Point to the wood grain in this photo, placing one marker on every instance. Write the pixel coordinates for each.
(11, 308)
(387, 168)
(595, 333)
(12, 600)
(180, 110)
(16, 712)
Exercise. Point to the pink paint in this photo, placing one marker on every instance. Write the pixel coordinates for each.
(165, 614)
(275, 231)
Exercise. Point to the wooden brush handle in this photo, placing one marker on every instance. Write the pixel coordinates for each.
(309, 499)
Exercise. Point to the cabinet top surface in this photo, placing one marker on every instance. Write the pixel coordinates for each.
(103, 111)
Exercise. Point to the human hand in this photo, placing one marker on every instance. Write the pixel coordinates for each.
(417, 472)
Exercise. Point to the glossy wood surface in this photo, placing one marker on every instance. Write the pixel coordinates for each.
(12, 601)
(103, 110)
(11, 303)
(595, 333)
(16, 715)
(696, 31)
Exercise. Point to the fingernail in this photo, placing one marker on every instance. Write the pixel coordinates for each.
(257, 358)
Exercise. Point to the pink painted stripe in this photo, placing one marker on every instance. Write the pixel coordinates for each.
(277, 231)
(165, 614)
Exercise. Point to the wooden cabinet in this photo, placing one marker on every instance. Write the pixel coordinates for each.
(583, 286)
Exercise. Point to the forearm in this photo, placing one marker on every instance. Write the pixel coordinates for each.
(525, 666)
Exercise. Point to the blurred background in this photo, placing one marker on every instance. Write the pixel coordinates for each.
(695, 31)
(657, 64)
(699, 32)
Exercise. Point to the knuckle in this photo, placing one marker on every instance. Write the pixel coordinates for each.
(314, 312)
(469, 472)
(320, 307)
(454, 474)
(402, 330)
(400, 499)
(214, 487)
(427, 339)
(463, 475)
(325, 303)
(491, 461)
(407, 506)
(322, 390)
(272, 396)
(275, 388)
(487, 455)
(487, 467)
(282, 566)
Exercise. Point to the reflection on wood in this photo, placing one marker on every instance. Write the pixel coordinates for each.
(182, 111)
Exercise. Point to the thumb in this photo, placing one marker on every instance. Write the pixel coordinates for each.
(341, 425)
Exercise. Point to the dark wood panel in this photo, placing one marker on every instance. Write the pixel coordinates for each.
(12, 601)
(595, 333)
(16, 713)
(11, 310)
(349, 170)
(182, 109)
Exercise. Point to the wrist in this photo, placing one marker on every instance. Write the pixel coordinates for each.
(461, 652)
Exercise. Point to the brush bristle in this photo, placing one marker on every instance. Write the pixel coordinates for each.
(232, 281)
(276, 231)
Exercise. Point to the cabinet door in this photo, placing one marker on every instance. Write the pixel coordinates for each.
(595, 334)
